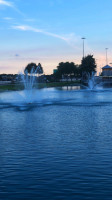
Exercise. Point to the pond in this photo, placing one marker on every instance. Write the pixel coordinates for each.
(56, 146)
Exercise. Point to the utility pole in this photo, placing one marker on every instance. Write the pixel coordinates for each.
(106, 56)
(83, 45)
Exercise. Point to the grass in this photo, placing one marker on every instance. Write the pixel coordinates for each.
(12, 87)
(16, 87)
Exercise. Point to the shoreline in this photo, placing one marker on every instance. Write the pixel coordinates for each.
(17, 87)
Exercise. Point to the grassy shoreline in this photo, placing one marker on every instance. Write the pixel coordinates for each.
(17, 87)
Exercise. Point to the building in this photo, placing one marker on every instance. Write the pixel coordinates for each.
(107, 70)
(54, 71)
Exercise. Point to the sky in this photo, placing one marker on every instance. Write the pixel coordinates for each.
(50, 32)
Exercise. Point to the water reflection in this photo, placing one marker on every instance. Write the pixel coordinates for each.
(56, 96)
(71, 88)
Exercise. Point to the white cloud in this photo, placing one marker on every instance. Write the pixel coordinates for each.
(11, 4)
(6, 3)
(8, 18)
(70, 39)
(29, 28)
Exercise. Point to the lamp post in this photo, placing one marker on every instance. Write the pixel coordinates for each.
(106, 56)
(83, 38)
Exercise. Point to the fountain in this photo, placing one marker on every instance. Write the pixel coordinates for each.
(88, 80)
(91, 81)
(31, 97)
(29, 81)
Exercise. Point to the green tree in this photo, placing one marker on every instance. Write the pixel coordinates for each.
(33, 68)
(66, 69)
(88, 65)
(39, 69)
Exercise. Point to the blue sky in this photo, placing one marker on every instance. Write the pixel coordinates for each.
(50, 31)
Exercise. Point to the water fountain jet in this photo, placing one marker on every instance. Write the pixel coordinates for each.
(91, 81)
(29, 81)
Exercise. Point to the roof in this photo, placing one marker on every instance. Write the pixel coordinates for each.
(107, 67)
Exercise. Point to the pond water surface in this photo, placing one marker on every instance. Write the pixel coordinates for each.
(57, 147)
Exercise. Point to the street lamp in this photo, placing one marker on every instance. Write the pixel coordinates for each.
(83, 45)
(106, 56)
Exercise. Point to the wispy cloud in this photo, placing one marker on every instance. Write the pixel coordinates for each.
(8, 18)
(12, 5)
(6, 3)
(29, 28)
(30, 20)
(70, 39)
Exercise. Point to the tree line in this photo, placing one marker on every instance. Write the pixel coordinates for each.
(66, 69)
(88, 65)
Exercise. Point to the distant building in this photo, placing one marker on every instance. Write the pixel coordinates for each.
(107, 70)
(54, 71)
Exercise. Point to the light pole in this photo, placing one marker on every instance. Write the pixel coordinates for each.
(83, 45)
(106, 56)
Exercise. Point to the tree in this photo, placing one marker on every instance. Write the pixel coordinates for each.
(39, 69)
(88, 65)
(66, 69)
(33, 68)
